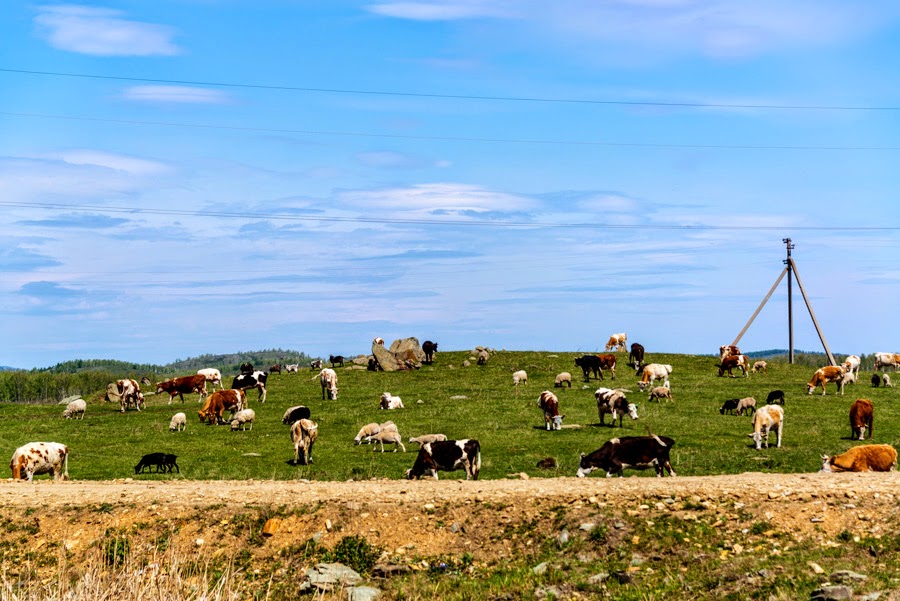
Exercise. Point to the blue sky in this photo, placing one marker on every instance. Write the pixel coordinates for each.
(206, 176)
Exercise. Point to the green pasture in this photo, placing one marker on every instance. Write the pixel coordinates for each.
(505, 419)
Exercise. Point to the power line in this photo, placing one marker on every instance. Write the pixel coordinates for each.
(458, 96)
(440, 222)
(271, 130)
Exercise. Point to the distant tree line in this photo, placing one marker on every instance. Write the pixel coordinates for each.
(89, 377)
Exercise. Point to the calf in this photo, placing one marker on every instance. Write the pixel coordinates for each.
(304, 433)
(37, 458)
(447, 456)
(864, 458)
(634, 452)
(549, 404)
(766, 418)
(862, 418)
(775, 396)
(221, 401)
(429, 348)
(614, 402)
(731, 362)
(184, 385)
(254, 379)
(823, 375)
(164, 463)
(292, 414)
(730, 406)
(608, 361)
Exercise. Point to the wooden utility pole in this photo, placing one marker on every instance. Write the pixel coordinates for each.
(790, 270)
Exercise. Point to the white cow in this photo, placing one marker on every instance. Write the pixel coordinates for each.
(653, 372)
(883, 360)
(213, 376)
(617, 341)
(766, 418)
(40, 458)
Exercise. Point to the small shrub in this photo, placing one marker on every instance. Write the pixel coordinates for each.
(354, 551)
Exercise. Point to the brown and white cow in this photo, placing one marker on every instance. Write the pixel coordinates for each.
(36, 458)
(864, 458)
(883, 360)
(727, 350)
(733, 362)
(447, 456)
(549, 404)
(221, 401)
(862, 418)
(851, 364)
(617, 341)
(608, 361)
(183, 385)
(613, 401)
(823, 375)
(304, 433)
(128, 392)
(328, 380)
(766, 418)
(653, 372)
(213, 376)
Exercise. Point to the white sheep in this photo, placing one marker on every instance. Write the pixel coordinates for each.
(565, 378)
(387, 436)
(242, 418)
(520, 376)
(178, 422)
(76, 407)
(389, 401)
(659, 393)
(886, 381)
(748, 403)
(372, 429)
(426, 438)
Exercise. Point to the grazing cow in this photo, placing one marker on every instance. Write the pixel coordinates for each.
(760, 366)
(589, 364)
(852, 363)
(292, 414)
(728, 349)
(389, 401)
(885, 360)
(164, 463)
(255, 379)
(614, 402)
(221, 401)
(315, 364)
(766, 418)
(876, 380)
(37, 458)
(328, 380)
(447, 456)
(292, 368)
(617, 341)
(733, 362)
(549, 404)
(653, 372)
(636, 356)
(730, 406)
(183, 385)
(864, 458)
(629, 452)
(659, 393)
(336, 360)
(429, 348)
(823, 375)
(775, 396)
(128, 393)
(213, 376)
(304, 433)
(275, 369)
(862, 418)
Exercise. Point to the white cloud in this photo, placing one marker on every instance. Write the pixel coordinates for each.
(102, 32)
(175, 94)
(440, 11)
(438, 197)
(116, 162)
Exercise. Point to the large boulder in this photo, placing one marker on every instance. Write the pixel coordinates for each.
(403, 354)
(408, 348)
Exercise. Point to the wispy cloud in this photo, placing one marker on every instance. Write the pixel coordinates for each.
(440, 11)
(438, 199)
(175, 95)
(102, 32)
(77, 220)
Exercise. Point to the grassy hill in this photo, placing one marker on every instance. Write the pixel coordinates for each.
(463, 402)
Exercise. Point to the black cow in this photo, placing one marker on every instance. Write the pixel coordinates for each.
(336, 359)
(635, 452)
(160, 460)
(636, 356)
(588, 364)
(775, 396)
(448, 456)
(256, 379)
(295, 413)
(729, 406)
(247, 368)
(429, 348)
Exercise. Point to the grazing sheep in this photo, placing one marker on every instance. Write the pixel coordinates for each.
(876, 380)
(729, 406)
(565, 378)
(774, 397)
(387, 436)
(746, 403)
(520, 376)
(242, 418)
(164, 463)
(760, 366)
(178, 422)
(660, 392)
(886, 381)
(389, 401)
(372, 429)
(292, 414)
(76, 407)
(426, 438)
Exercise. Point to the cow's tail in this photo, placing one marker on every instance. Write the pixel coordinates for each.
(476, 466)
(655, 437)
(65, 475)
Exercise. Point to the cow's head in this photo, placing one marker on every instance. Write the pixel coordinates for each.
(826, 464)
(557, 421)
(643, 385)
(583, 470)
(810, 388)
(632, 411)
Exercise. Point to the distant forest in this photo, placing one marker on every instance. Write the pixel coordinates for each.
(87, 377)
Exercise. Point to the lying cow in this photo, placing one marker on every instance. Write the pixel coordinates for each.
(629, 452)
(864, 458)
(447, 456)
(37, 458)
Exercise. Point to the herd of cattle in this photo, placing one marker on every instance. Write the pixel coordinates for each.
(436, 453)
